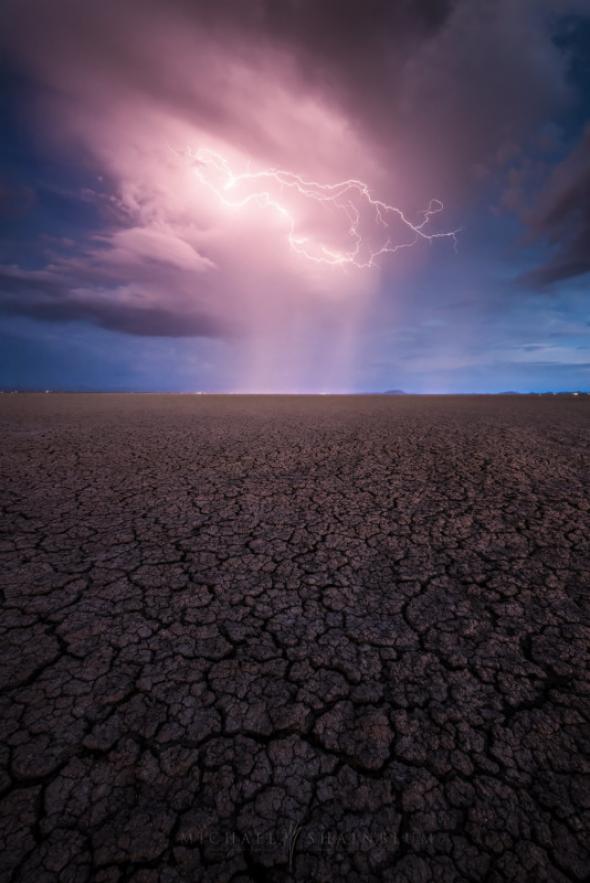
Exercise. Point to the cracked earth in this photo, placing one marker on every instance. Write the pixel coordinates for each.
(273, 639)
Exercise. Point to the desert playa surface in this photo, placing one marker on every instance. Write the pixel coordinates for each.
(295, 638)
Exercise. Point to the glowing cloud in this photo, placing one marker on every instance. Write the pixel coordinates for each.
(351, 201)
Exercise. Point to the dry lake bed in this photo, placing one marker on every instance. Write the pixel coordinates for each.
(294, 638)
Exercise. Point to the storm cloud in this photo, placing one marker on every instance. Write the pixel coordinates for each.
(422, 100)
(563, 218)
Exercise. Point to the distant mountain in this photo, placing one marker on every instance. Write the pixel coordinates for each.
(394, 392)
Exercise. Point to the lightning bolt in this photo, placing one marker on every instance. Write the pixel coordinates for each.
(214, 172)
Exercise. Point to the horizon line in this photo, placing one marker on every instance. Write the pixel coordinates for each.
(388, 393)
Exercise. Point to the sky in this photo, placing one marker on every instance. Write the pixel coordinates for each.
(295, 195)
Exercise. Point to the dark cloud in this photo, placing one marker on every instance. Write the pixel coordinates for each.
(563, 218)
(447, 89)
(49, 296)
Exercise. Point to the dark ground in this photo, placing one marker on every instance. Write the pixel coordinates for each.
(321, 639)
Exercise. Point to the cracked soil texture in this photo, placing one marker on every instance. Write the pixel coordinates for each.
(290, 638)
